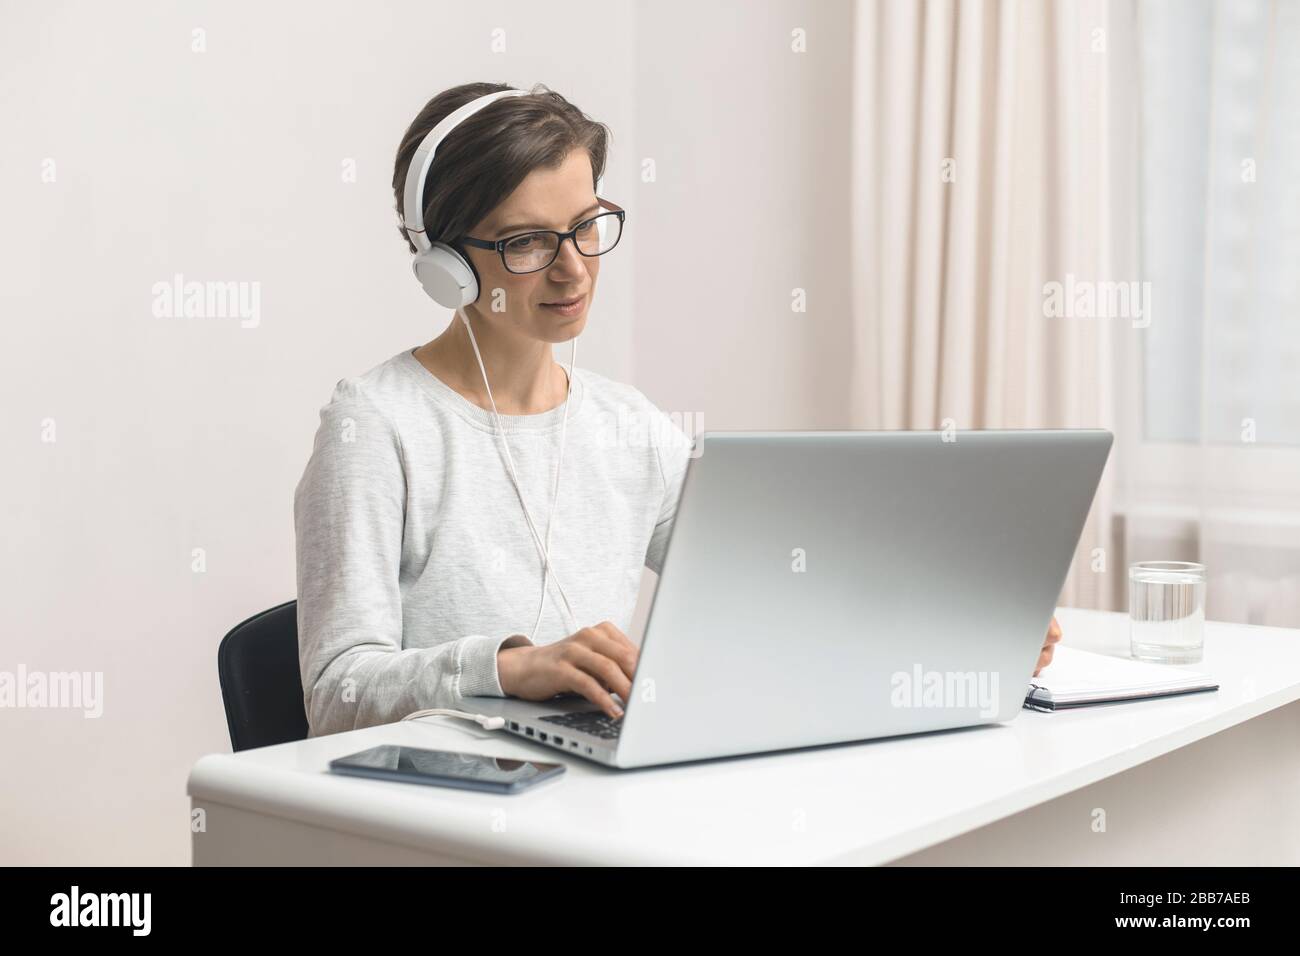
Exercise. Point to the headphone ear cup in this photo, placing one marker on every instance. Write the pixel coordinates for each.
(446, 276)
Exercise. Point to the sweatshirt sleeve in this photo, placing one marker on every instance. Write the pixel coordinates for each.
(674, 449)
(349, 512)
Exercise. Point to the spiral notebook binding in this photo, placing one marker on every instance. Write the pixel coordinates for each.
(1033, 703)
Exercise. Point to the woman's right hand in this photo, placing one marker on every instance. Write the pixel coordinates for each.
(594, 662)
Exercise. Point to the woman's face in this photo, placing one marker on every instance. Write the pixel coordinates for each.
(556, 199)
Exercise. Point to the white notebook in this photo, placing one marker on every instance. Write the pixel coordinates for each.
(1076, 678)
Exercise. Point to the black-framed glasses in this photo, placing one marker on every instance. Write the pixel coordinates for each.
(534, 251)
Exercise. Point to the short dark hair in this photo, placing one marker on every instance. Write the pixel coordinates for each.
(488, 155)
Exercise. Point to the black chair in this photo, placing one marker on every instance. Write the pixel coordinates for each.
(257, 664)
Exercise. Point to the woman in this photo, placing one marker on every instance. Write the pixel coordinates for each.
(419, 557)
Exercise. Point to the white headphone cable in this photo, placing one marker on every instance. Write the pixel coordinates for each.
(555, 495)
(543, 550)
(483, 720)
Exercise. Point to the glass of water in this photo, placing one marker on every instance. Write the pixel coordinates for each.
(1166, 609)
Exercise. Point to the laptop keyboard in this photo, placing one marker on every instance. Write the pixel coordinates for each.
(594, 722)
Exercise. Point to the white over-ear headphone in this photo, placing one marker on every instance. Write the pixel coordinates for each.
(451, 282)
(442, 270)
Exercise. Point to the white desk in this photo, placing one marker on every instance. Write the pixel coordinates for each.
(1208, 778)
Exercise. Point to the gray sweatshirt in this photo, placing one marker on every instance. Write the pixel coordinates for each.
(414, 561)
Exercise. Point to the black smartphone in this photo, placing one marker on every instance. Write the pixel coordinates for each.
(445, 768)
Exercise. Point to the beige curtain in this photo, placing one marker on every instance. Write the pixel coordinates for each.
(986, 164)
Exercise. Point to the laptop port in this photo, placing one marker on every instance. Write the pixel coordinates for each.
(588, 750)
(542, 737)
(559, 741)
(573, 744)
(528, 731)
(514, 725)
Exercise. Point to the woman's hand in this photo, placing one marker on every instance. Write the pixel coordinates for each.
(594, 662)
(1045, 656)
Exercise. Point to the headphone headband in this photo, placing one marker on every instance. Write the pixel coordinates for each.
(418, 170)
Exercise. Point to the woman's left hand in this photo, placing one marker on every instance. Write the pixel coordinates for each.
(1045, 656)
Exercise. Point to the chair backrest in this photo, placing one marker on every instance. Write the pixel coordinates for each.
(257, 664)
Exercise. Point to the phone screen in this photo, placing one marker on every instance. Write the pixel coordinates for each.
(445, 768)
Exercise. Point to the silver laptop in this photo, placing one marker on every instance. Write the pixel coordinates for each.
(834, 586)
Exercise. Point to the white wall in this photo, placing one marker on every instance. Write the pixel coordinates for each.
(173, 434)
(750, 136)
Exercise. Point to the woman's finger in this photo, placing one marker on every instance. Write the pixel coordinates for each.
(613, 630)
(580, 682)
(606, 641)
(606, 671)
(612, 633)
